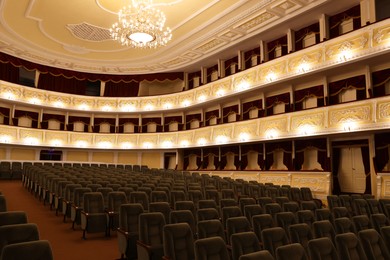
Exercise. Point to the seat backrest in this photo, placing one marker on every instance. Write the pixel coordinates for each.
(374, 206)
(360, 207)
(287, 252)
(344, 225)
(285, 219)
(261, 222)
(263, 255)
(272, 209)
(158, 196)
(306, 216)
(349, 247)
(236, 225)
(207, 213)
(115, 200)
(273, 238)
(228, 202)
(379, 220)
(322, 249)
(211, 248)
(183, 216)
(252, 210)
(140, 197)
(3, 203)
(323, 214)
(32, 250)
(13, 217)
(306, 193)
(323, 228)
(202, 204)
(373, 244)
(361, 222)
(246, 201)
(11, 234)
(151, 228)
(333, 201)
(93, 202)
(291, 206)
(178, 241)
(230, 212)
(244, 243)
(300, 233)
(211, 228)
(162, 207)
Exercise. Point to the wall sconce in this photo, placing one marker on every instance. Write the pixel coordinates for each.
(83, 107)
(243, 137)
(149, 107)
(271, 77)
(306, 129)
(167, 144)
(81, 144)
(186, 103)
(345, 55)
(9, 95)
(5, 139)
(30, 141)
(128, 108)
(147, 145)
(202, 141)
(105, 144)
(220, 93)
(127, 145)
(106, 108)
(59, 104)
(349, 126)
(56, 142)
(184, 143)
(243, 85)
(202, 98)
(35, 101)
(221, 139)
(303, 67)
(168, 105)
(271, 134)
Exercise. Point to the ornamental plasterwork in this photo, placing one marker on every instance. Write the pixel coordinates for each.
(203, 92)
(278, 179)
(186, 97)
(185, 137)
(386, 188)
(253, 176)
(15, 91)
(59, 99)
(148, 102)
(176, 61)
(168, 100)
(210, 45)
(381, 35)
(28, 95)
(129, 138)
(249, 128)
(202, 133)
(84, 101)
(256, 21)
(223, 85)
(315, 182)
(279, 124)
(52, 136)
(8, 131)
(276, 69)
(356, 43)
(171, 138)
(146, 138)
(24, 133)
(80, 137)
(100, 138)
(222, 131)
(383, 111)
(311, 58)
(355, 114)
(286, 5)
(249, 77)
(106, 103)
(315, 120)
(127, 103)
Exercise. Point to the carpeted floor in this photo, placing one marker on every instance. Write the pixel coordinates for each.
(67, 244)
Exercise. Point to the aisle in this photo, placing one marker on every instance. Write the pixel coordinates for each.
(66, 243)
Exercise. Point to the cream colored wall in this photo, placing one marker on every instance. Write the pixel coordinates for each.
(128, 157)
(152, 159)
(107, 157)
(79, 156)
(3, 154)
(22, 154)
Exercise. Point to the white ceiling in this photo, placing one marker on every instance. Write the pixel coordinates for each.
(73, 34)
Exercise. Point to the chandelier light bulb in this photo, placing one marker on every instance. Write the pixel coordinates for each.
(141, 26)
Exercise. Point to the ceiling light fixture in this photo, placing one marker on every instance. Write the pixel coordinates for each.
(141, 25)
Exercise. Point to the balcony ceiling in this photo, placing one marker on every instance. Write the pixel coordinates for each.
(73, 34)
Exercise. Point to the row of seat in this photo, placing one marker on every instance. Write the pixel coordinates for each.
(19, 239)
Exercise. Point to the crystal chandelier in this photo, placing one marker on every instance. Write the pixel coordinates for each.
(141, 25)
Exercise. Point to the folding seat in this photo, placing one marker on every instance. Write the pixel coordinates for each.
(264, 201)
(246, 201)
(254, 191)
(128, 232)
(385, 233)
(127, 191)
(291, 206)
(244, 243)
(346, 201)
(115, 200)
(385, 206)
(3, 203)
(207, 214)
(203, 204)
(322, 248)
(272, 238)
(211, 248)
(162, 207)
(60, 195)
(291, 252)
(105, 191)
(323, 228)
(114, 186)
(16, 233)
(13, 217)
(104, 183)
(361, 222)
(379, 220)
(356, 196)
(374, 206)
(93, 216)
(261, 222)
(272, 192)
(333, 201)
(263, 255)
(308, 196)
(305, 216)
(158, 196)
(252, 210)
(178, 241)
(140, 197)
(17, 170)
(211, 228)
(284, 220)
(5, 170)
(340, 212)
(177, 195)
(344, 225)
(349, 247)
(272, 209)
(68, 199)
(229, 212)
(186, 205)
(282, 200)
(295, 194)
(236, 225)
(147, 190)
(32, 250)
(150, 243)
(373, 245)
(285, 192)
(228, 203)
(183, 216)
(300, 233)
(77, 205)
(323, 214)
(94, 186)
(213, 195)
(360, 207)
